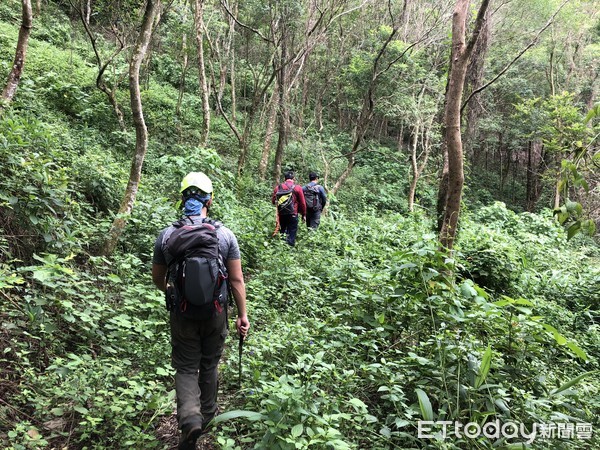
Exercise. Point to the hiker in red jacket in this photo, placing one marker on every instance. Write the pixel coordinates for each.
(289, 199)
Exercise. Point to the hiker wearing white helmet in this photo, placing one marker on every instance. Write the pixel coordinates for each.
(196, 262)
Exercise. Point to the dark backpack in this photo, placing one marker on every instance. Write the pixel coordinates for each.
(196, 276)
(312, 196)
(285, 200)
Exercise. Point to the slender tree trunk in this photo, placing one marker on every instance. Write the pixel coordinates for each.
(557, 195)
(20, 54)
(284, 113)
(232, 63)
(443, 188)
(141, 132)
(319, 113)
(414, 168)
(199, 24)
(112, 98)
(282, 134)
(530, 176)
(184, 67)
(271, 119)
(345, 174)
(461, 52)
(474, 78)
(539, 161)
(110, 92)
(87, 9)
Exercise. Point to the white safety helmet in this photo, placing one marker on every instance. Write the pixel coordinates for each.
(196, 179)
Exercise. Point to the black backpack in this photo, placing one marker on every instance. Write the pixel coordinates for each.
(285, 200)
(312, 197)
(196, 276)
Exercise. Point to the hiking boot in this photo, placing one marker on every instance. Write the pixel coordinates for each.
(189, 436)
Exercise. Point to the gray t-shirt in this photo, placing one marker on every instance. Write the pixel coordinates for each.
(228, 244)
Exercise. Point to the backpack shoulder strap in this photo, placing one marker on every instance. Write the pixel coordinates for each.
(213, 222)
(181, 222)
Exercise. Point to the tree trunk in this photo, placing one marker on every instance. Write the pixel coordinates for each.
(204, 93)
(345, 174)
(460, 56)
(557, 190)
(414, 168)
(184, 66)
(443, 188)
(506, 170)
(284, 112)
(535, 169)
(141, 132)
(20, 54)
(530, 176)
(283, 131)
(264, 158)
(87, 9)
(110, 92)
(474, 79)
(232, 63)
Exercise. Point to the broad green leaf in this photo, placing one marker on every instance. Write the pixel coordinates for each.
(572, 382)
(562, 217)
(297, 430)
(594, 112)
(467, 290)
(573, 229)
(504, 302)
(250, 415)
(577, 350)
(357, 403)
(523, 302)
(484, 368)
(526, 311)
(424, 405)
(42, 275)
(560, 339)
(81, 409)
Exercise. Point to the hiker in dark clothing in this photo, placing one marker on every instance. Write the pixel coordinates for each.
(289, 199)
(316, 199)
(197, 341)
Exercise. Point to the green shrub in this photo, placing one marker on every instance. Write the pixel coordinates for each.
(39, 205)
(490, 257)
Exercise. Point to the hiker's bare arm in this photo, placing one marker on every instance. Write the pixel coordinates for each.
(158, 276)
(238, 287)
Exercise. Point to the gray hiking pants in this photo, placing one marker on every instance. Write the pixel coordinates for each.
(196, 350)
(313, 218)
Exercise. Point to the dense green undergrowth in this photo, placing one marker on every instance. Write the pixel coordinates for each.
(350, 328)
(360, 331)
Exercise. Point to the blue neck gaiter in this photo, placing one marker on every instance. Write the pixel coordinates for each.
(193, 207)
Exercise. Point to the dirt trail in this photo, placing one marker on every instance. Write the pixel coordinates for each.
(168, 434)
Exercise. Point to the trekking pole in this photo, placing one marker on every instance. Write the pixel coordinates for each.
(240, 347)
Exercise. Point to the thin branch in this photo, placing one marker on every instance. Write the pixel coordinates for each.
(350, 10)
(101, 67)
(515, 59)
(247, 27)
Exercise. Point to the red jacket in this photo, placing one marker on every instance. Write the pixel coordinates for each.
(299, 202)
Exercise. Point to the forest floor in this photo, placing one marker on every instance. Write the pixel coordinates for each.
(168, 434)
